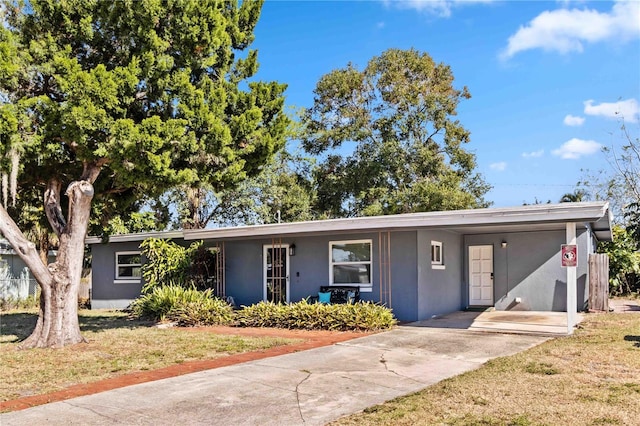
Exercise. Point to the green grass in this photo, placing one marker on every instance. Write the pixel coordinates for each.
(590, 378)
(117, 345)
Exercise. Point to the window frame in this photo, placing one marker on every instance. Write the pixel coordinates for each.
(437, 262)
(127, 279)
(364, 287)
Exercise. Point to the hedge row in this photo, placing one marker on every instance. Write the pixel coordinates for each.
(189, 307)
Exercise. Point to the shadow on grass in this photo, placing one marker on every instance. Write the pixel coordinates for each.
(17, 324)
(98, 323)
(21, 324)
(635, 339)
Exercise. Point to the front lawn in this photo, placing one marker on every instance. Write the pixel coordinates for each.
(590, 378)
(117, 345)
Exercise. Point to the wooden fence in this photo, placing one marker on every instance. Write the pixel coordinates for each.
(598, 283)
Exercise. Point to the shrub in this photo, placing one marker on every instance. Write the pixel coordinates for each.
(361, 316)
(186, 306)
(624, 262)
(29, 302)
(167, 261)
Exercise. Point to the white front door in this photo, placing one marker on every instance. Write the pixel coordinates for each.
(481, 275)
(276, 273)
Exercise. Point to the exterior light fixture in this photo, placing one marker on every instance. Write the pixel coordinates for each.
(292, 250)
(503, 244)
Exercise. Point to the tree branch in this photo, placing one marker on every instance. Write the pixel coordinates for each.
(25, 249)
(52, 206)
(92, 170)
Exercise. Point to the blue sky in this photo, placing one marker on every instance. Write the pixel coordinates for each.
(546, 77)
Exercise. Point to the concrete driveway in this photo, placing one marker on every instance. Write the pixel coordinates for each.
(305, 388)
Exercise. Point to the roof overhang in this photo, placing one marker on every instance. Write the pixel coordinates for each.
(539, 217)
(514, 219)
(125, 238)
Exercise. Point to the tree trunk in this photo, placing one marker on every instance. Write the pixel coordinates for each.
(194, 200)
(57, 324)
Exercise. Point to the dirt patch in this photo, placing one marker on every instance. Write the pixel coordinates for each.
(312, 339)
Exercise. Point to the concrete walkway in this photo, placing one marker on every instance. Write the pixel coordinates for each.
(305, 388)
(552, 324)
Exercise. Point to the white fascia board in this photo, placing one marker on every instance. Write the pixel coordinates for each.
(124, 238)
(565, 212)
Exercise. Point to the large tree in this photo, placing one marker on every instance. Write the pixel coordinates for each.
(620, 182)
(114, 102)
(283, 190)
(408, 154)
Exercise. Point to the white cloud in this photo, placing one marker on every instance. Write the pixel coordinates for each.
(380, 25)
(440, 8)
(501, 166)
(629, 110)
(533, 154)
(572, 120)
(575, 148)
(566, 30)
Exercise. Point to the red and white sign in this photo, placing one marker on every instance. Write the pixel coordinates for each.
(569, 255)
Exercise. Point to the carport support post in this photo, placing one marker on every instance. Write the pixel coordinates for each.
(572, 283)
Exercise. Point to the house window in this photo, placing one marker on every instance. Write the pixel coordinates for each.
(437, 255)
(128, 266)
(350, 262)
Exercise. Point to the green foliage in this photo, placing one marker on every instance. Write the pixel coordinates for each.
(624, 261)
(575, 196)
(166, 262)
(632, 217)
(148, 94)
(146, 221)
(185, 306)
(361, 316)
(29, 302)
(285, 186)
(409, 153)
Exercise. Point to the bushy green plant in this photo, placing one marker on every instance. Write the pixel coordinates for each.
(186, 306)
(166, 262)
(624, 262)
(361, 316)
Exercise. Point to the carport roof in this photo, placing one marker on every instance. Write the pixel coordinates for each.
(539, 217)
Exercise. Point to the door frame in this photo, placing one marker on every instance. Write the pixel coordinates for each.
(470, 272)
(265, 249)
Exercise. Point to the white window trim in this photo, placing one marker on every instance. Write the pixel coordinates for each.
(437, 263)
(126, 280)
(364, 287)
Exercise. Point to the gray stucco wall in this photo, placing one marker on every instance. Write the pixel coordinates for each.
(308, 269)
(404, 275)
(105, 293)
(439, 290)
(530, 268)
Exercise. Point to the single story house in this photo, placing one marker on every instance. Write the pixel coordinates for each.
(419, 264)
